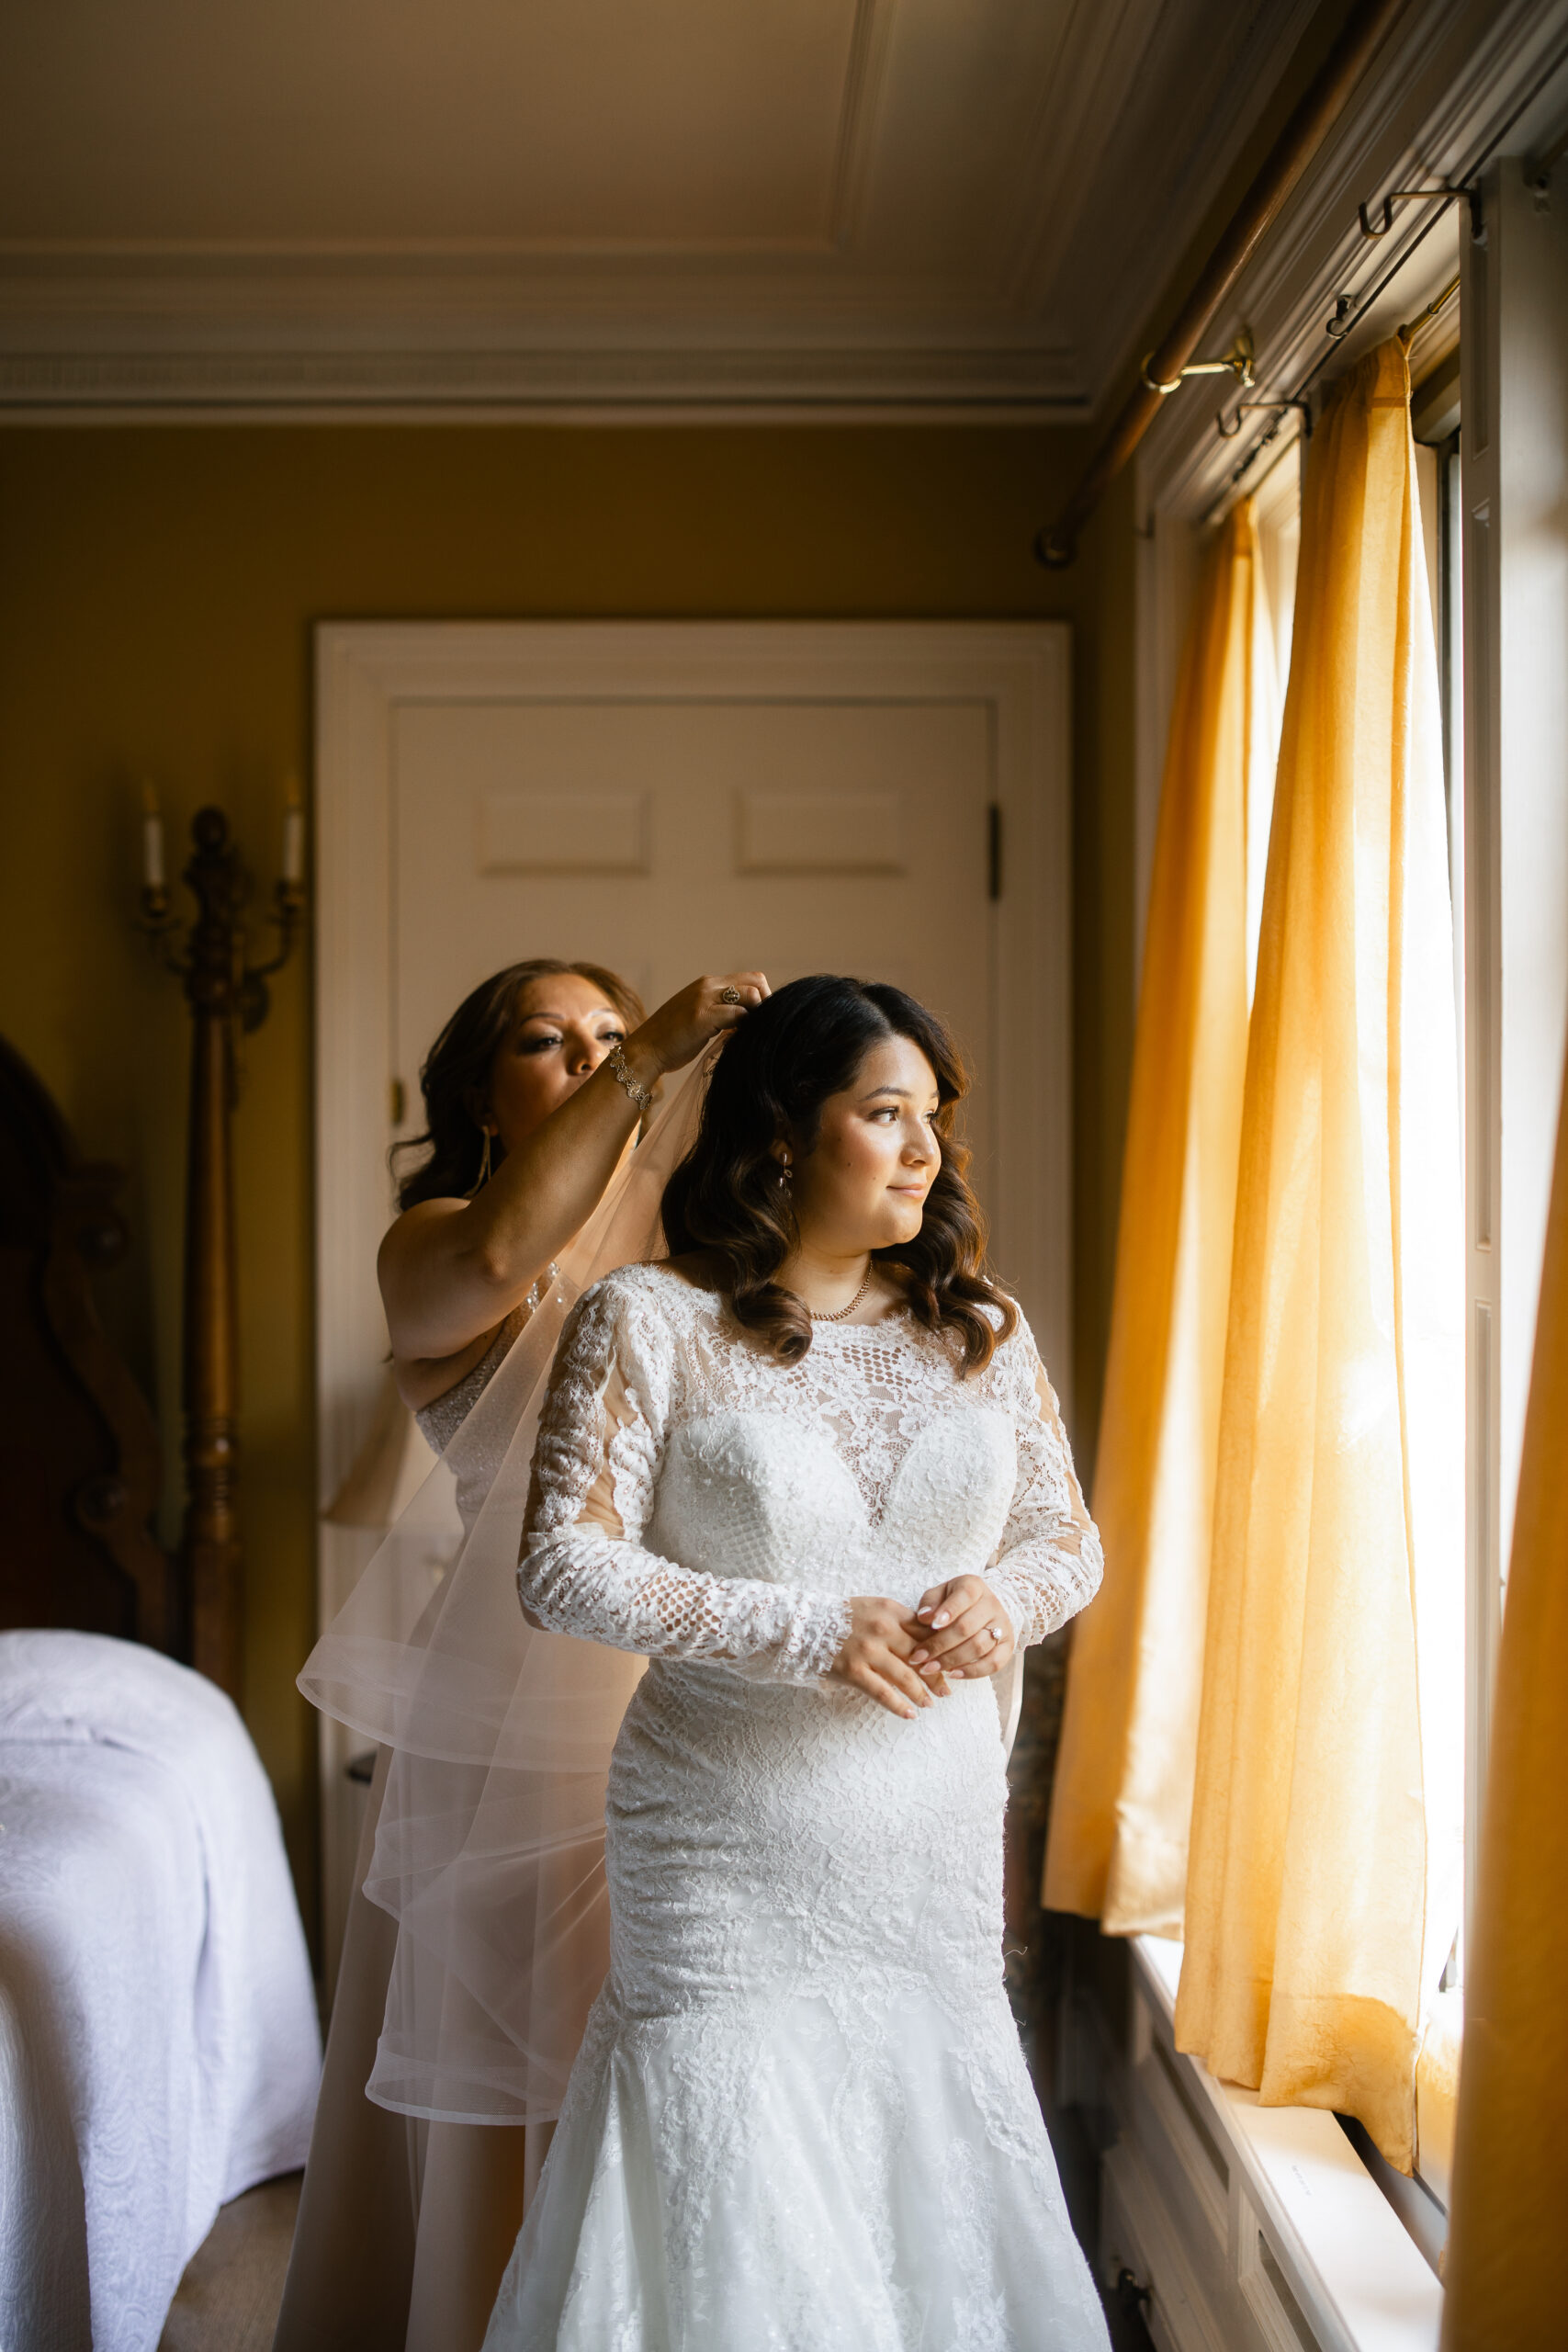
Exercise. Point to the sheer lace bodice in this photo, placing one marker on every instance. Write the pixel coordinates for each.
(657, 1393)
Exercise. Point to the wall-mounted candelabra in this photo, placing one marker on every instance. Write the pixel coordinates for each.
(226, 995)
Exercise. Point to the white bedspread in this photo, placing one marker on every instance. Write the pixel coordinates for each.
(159, 2049)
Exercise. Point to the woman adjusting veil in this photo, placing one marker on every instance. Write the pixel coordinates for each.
(480, 1937)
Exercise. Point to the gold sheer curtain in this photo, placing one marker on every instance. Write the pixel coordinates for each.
(1323, 1881)
(1124, 1780)
(1510, 2192)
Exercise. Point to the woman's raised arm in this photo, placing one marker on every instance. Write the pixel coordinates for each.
(451, 1271)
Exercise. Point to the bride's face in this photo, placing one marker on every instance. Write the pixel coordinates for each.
(561, 1030)
(863, 1182)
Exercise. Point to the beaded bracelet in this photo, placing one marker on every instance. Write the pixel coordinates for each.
(621, 1071)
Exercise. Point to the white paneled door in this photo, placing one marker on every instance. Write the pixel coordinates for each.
(880, 799)
(670, 838)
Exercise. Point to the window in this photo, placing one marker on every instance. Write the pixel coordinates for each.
(1491, 421)
(1492, 473)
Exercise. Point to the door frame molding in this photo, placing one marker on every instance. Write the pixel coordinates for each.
(365, 669)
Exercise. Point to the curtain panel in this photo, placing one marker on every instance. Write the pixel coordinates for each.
(1510, 2194)
(1122, 1791)
(1323, 1874)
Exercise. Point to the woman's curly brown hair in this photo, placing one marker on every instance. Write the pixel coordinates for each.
(777, 1070)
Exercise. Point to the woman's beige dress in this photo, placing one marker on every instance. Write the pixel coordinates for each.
(405, 2226)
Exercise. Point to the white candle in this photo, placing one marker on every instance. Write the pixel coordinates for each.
(293, 836)
(151, 841)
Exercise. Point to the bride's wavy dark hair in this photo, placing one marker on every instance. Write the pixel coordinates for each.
(803, 1044)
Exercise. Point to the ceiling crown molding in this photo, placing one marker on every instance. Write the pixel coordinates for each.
(662, 386)
(997, 197)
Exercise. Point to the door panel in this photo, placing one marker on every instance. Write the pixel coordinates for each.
(667, 837)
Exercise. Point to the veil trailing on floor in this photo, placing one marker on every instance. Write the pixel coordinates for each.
(490, 1847)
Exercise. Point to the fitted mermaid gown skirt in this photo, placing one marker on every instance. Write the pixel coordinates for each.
(801, 2120)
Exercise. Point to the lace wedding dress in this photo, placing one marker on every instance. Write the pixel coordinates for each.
(800, 2120)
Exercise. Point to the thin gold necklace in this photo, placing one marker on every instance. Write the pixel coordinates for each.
(843, 1314)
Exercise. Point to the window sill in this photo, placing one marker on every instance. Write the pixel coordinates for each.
(1300, 2240)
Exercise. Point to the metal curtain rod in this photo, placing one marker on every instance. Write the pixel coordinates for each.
(1300, 401)
(1439, 303)
(1336, 327)
(1311, 120)
(1463, 184)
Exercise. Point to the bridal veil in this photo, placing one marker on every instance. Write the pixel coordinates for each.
(488, 1848)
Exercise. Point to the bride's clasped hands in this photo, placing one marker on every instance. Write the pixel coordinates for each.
(959, 1630)
(968, 1632)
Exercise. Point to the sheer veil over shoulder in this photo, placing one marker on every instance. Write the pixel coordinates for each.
(489, 1845)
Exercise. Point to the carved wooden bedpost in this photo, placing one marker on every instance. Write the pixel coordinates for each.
(211, 1543)
(224, 994)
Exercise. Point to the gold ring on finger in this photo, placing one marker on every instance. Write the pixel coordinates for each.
(730, 996)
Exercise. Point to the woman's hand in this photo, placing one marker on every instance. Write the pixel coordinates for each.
(876, 1658)
(451, 1271)
(682, 1026)
(970, 1634)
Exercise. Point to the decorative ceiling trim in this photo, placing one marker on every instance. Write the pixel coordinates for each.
(864, 60)
(183, 337)
(222, 257)
(523, 285)
(1022, 384)
(1030, 313)
(857, 124)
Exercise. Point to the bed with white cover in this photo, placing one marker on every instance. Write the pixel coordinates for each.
(159, 2049)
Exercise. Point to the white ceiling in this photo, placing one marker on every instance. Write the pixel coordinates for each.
(821, 207)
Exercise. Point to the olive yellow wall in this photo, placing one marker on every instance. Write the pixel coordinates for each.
(158, 589)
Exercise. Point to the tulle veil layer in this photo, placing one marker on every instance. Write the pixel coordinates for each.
(490, 1847)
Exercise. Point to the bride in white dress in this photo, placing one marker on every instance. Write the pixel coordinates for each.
(813, 1471)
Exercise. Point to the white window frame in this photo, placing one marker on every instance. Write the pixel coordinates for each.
(1514, 477)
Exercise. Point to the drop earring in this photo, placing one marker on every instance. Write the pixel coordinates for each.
(786, 1175)
(483, 1178)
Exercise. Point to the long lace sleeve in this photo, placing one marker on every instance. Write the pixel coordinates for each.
(584, 1569)
(1049, 1562)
